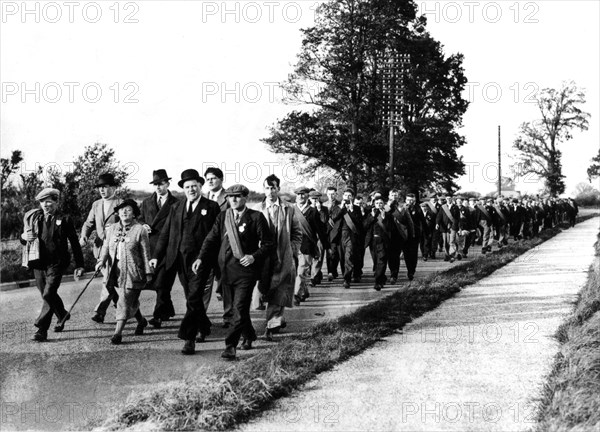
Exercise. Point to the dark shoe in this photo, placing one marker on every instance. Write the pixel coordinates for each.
(116, 339)
(297, 300)
(229, 353)
(139, 329)
(189, 347)
(356, 280)
(40, 336)
(377, 287)
(452, 259)
(155, 322)
(446, 258)
(330, 278)
(425, 258)
(268, 335)
(219, 297)
(201, 337)
(61, 324)
(393, 281)
(305, 296)
(98, 318)
(459, 257)
(247, 344)
(432, 256)
(346, 284)
(411, 277)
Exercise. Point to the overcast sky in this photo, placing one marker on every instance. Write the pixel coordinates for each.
(181, 84)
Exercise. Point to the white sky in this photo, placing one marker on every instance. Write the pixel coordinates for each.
(180, 56)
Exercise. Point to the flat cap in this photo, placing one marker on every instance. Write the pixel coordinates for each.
(47, 192)
(237, 190)
(410, 195)
(424, 204)
(302, 190)
(472, 199)
(459, 197)
(315, 194)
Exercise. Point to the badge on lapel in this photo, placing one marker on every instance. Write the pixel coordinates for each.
(58, 222)
(203, 212)
(242, 227)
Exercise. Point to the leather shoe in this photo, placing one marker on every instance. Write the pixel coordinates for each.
(139, 329)
(297, 300)
(346, 284)
(98, 318)
(377, 287)
(189, 347)
(393, 281)
(61, 324)
(229, 353)
(116, 339)
(201, 338)
(411, 277)
(247, 344)
(330, 278)
(155, 322)
(40, 336)
(268, 335)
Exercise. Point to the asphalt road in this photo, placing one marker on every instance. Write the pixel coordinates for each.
(78, 376)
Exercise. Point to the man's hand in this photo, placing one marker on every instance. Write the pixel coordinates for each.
(196, 265)
(247, 260)
(147, 228)
(374, 211)
(99, 265)
(149, 278)
(78, 273)
(83, 241)
(153, 263)
(28, 236)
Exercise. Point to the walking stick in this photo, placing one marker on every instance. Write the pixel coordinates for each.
(62, 321)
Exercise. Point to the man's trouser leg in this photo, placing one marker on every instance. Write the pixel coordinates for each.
(241, 295)
(107, 294)
(411, 256)
(48, 282)
(303, 275)
(333, 259)
(195, 319)
(316, 273)
(394, 258)
(359, 258)
(452, 243)
(460, 241)
(486, 236)
(348, 248)
(381, 260)
(163, 283)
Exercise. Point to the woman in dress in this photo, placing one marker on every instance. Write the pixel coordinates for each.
(126, 249)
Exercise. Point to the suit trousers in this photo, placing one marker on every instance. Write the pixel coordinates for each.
(241, 295)
(457, 243)
(48, 282)
(394, 252)
(486, 235)
(303, 274)
(381, 259)
(316, 272)
(195, 319)
(335, 256)
(427, 245)
(107, 294)
(352, 261)
(411, 256)
(163, 283)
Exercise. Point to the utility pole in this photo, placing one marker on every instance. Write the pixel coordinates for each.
(393, 99)
(499, 165)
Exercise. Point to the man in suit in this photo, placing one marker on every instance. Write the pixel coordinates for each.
(316, 274)
(427, 242)
(179, 243)
(447, 224)
(572, 211)
(101, 216)
(502, 221)
(379, 232)
(334, 232)
(241, 240)
(52, 230)
(487, 215)
(352, 237)
(153, 215)
(411, 251)
(402, 232)
(308, 219)
(214, 180)
(516, 218)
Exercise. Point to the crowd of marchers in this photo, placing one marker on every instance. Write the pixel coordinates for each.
(264, 255)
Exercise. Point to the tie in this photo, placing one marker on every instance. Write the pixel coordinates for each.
(160, 203)
(237, 218)
(189, 211)
(213, 196)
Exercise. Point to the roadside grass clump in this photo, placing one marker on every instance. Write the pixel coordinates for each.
(234, 394)
(571, 396)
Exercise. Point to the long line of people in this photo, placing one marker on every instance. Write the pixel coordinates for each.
(268, 256)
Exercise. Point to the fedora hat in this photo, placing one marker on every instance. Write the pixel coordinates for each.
(106, 179)
(190, 174)
(159, 176)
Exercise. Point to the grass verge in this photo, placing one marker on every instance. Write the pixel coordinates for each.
(571, 397)
(234, 394)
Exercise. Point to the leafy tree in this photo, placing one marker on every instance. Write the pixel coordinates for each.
(538, 140)
(594, 170)
(338, 77)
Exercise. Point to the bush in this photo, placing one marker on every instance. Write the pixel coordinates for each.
(588, 199)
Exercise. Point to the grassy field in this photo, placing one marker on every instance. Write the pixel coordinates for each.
(571, 399)
(236, 393)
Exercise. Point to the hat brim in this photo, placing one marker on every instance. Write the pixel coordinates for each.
(155, 182)
(105, 184)
(182, 181)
